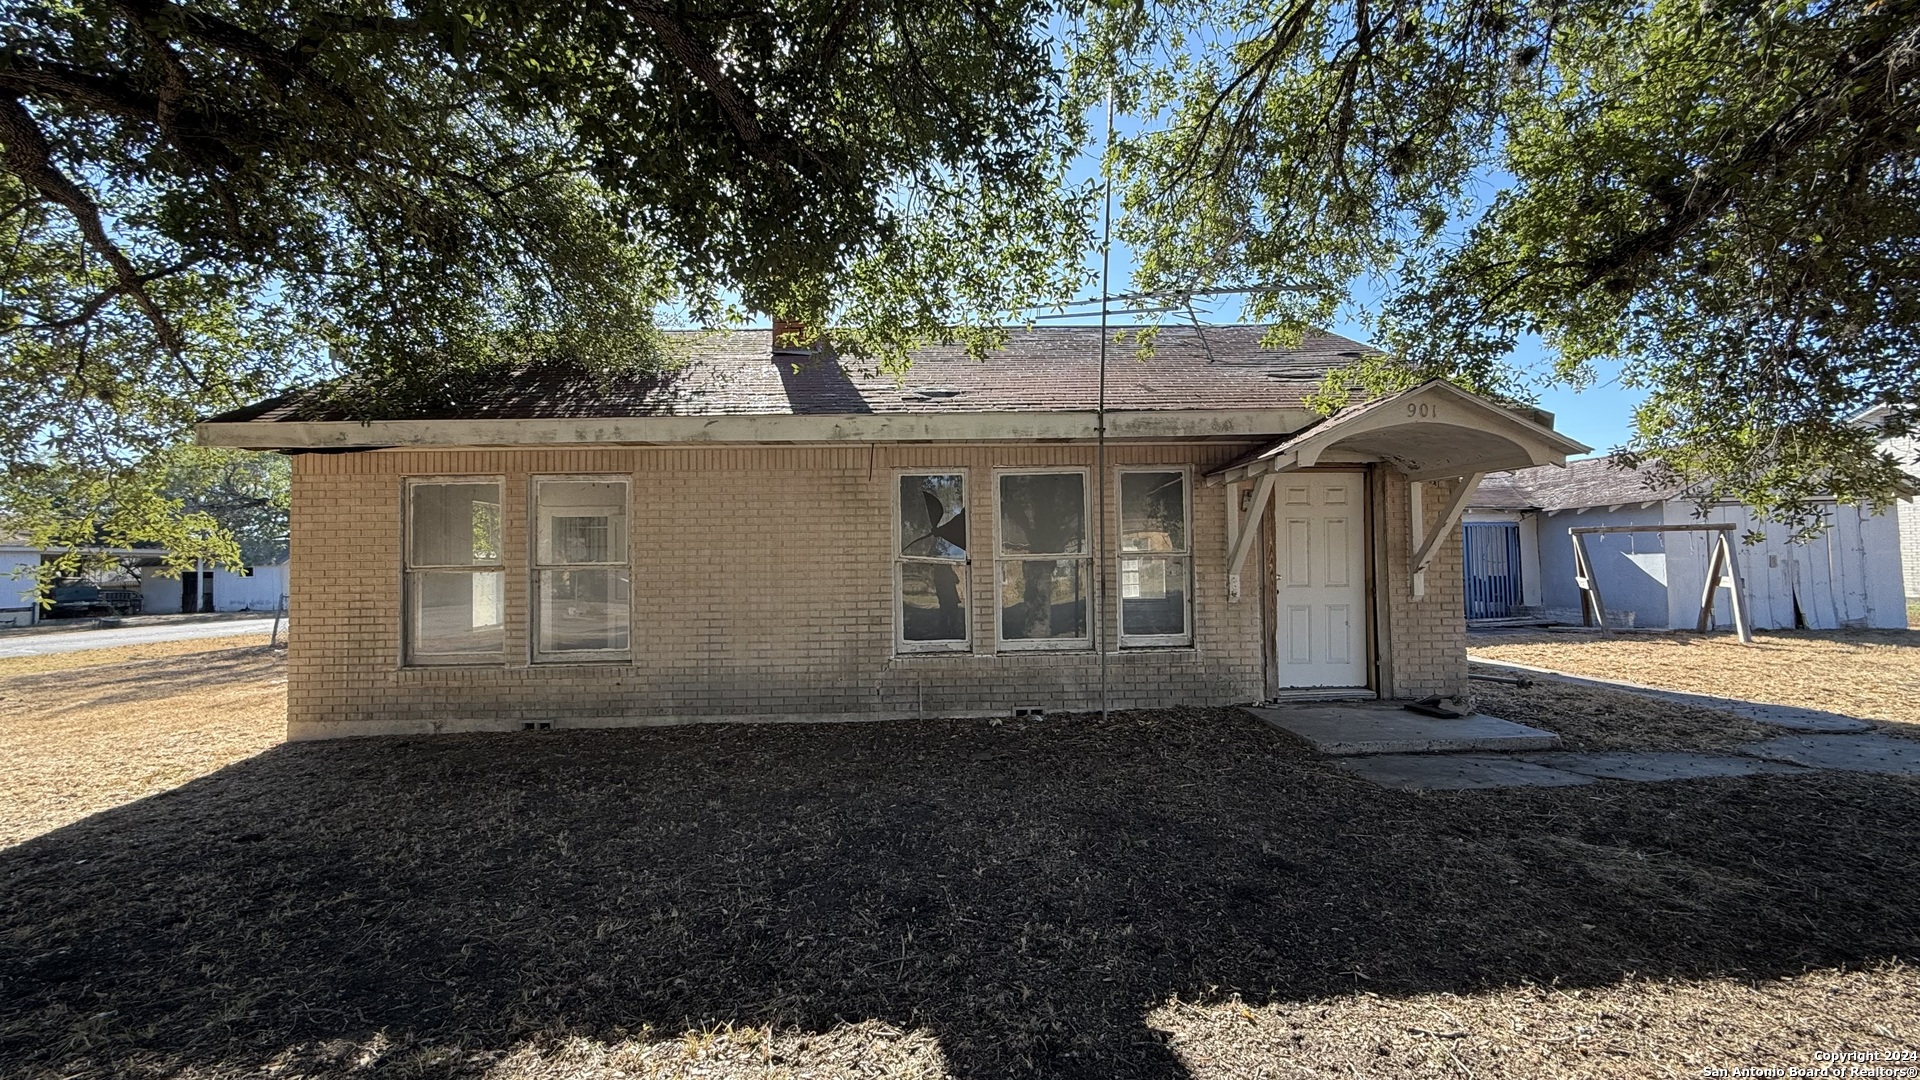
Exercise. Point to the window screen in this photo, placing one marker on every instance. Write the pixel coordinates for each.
(1155, 560)
(582, 596)
(455, 603)
(1044, 562)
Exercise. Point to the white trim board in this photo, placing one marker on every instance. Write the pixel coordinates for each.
(1420, 430)
(834, 428)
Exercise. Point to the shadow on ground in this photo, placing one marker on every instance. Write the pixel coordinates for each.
(1025, 892)
(84, 689)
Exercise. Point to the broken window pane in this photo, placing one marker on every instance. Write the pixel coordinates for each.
(1153, 511)
(1043, 599)
(455, 524)
(582, 611)
(582, 521)
(1043, 514)
(933, 516)
(933, 605)
(1153, 596)
(457, 613)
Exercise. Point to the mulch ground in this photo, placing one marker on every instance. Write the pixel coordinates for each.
(1589, 719)
(1163, 894)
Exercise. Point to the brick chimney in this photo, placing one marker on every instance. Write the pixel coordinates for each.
(786, 335)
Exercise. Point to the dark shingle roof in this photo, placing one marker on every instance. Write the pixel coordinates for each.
(1599, 481)
(1050, 369)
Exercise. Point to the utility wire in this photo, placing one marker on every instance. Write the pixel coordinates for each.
(1174, 298)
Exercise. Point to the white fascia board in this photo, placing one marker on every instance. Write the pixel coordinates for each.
(854, 427)
(117, 553)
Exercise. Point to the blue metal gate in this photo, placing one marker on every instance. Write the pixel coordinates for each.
(1493, 569)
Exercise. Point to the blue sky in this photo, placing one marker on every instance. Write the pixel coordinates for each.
(1601, 415)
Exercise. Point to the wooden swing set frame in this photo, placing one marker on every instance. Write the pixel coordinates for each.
(1722, 573)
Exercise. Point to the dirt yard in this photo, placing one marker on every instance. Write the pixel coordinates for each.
(84, 732)
(1871, 674)
(1165, 895)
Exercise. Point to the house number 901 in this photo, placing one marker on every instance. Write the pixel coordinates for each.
(1421, 410)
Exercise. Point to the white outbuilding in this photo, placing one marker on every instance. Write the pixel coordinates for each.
(1520, 554)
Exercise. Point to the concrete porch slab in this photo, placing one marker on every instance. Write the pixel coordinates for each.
(1457, 772)
(1657, 765)
(1886, 754)
(1383, 727)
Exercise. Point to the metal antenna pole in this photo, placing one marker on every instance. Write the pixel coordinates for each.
(1100, 413)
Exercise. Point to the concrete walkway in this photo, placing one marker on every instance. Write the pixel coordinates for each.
(1457, 772)
(77, 640)
(1653, 766)
(1385, 727)
(1888, 755)
(1798, 757)
(1789, 717)
(1383, 743)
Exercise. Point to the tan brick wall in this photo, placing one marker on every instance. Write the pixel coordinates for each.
(1426, 636)
(763, 589)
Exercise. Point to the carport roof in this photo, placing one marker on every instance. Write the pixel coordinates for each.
(1600, 481)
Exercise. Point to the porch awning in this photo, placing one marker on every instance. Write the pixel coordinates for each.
(1431, 431)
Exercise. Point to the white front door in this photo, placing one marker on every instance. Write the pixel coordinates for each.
(1320, 556)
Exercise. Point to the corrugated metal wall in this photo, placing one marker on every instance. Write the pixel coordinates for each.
(1492, 569)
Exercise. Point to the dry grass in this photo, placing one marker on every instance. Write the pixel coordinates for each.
(1871, 674)
(1161, 895)
(1634, 1029)
(83, 732)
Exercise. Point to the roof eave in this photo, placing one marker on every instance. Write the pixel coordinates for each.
(755, 428)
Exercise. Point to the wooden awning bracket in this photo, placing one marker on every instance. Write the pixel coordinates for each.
(1243, 528)
(1426, 544)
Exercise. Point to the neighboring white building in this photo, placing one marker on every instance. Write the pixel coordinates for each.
(18, 605)
(256, 588)
(1519, 554)
(19, 582)
(1907, 449)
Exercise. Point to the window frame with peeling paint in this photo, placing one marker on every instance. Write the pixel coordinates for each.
(1002, 560)
(415, 573)
(1182, 554)
(962, 567)
(542, 566)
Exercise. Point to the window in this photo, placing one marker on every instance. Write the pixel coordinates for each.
(455, 612)
(1045, 562)
(582, 585)
(1155, 559)
(931, 578)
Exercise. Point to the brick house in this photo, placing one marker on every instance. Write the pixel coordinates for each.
(770, 535)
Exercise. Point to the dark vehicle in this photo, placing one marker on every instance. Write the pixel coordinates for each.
(75, 598)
